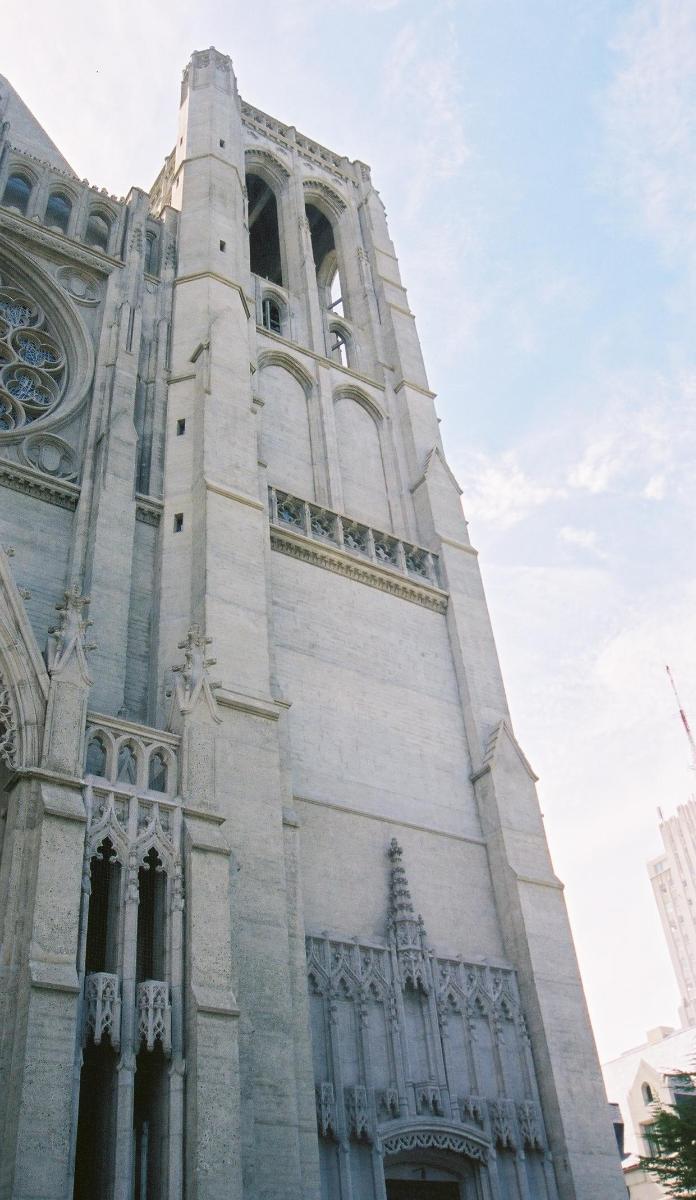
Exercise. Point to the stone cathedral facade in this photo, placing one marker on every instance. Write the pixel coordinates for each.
(277, 915)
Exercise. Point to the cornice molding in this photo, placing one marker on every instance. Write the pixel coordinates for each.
(76, 252)
(341, 562)
(60, 492)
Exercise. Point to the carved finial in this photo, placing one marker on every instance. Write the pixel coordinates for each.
(401, 905)
(406, 930)
(67, 642)
(194, 682)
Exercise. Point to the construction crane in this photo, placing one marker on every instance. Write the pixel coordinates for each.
(684, 720)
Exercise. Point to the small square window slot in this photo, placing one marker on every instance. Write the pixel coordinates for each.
(223, 246)
(178, 522)
(180, 426)
(222, 143)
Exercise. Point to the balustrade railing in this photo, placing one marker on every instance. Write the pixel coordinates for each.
(102, 1012)
(332, 529)
(154, 1014)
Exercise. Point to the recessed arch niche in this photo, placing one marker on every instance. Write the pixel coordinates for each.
(360, 455)
(286, 440)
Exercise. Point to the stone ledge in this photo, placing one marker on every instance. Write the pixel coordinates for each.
(341, 562)
(42, 487)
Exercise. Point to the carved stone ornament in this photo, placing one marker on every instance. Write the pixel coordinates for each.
(80, 285)
(502, 1118)
(102, 1017)
(408, 1140)
(50, 454)
(67, 645)
(193, 683)
(530, 1125)
(8, 729)
(155, 1014)
(326, 1109)
(357, 1112)
(406, 931)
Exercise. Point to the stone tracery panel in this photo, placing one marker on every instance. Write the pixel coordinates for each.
(32, 361)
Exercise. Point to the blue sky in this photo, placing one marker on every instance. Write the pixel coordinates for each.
(537, 160)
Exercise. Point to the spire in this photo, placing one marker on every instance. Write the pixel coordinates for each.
(406, 930)
(684, 720)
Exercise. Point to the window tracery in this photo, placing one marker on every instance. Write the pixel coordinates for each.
(32, 361)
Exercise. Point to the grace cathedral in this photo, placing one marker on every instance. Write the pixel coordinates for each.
(278, 919)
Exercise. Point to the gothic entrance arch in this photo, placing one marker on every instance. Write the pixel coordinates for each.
(433, 1163)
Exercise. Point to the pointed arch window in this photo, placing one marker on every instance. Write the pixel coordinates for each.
(340, 345)
(127, 771)
(17, 193)
(157, 772)
(96, 757)
(264, 235)
(325, 260)
(58, 210)
(97, 231)
(151, 253)
(272, 318)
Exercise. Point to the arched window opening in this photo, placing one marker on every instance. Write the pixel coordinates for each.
(127, 771)
(264, 237)
(150, 1124)
(95, 763)
(339, 344)
(17, 193)
(157, 773)
(325, 261)
(271, 316)
(152, 885)
(97, 231)
(151, 254)
(648, 1094)
(96, 1122)
(101, 952)
(336, 299)
(58, 210)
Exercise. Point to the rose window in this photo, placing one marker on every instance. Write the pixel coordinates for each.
(32, 362)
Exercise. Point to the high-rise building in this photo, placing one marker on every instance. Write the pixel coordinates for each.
(673, 878)
(285, 735)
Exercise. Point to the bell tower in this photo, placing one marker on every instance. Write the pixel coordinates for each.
(276, 901)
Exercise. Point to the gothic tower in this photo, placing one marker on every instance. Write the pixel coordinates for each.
(277, 913)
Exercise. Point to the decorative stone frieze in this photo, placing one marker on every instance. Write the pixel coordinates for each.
(102, 1011)
(27, 480)
(334, 542)
(407, 1140)
(154, 1014)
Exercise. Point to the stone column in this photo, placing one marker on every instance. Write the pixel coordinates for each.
(48, 1101)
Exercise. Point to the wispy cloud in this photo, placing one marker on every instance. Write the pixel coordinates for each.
(499, 492)
(651, 121)
(584, 539)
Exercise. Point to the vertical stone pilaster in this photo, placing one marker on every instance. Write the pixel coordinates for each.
(48, 1103)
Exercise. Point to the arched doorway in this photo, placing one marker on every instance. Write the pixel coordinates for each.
(433, 1164)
